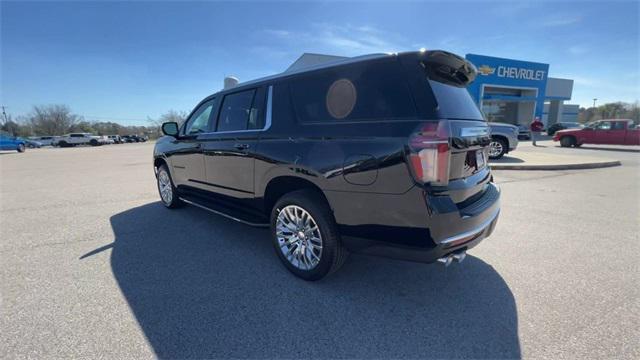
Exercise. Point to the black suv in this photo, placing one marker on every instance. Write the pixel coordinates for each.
(379, 154)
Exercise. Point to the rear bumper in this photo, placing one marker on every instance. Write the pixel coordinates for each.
(464, 241)
(402, 231)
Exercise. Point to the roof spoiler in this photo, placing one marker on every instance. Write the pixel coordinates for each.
(448, 68)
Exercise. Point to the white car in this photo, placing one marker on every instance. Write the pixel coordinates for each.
(45, 140)
(80, 139)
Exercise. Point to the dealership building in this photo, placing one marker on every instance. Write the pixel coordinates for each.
(517, 91)
(507, 90)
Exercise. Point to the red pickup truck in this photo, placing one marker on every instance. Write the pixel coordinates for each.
(610, 132)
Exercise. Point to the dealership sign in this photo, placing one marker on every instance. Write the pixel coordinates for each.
(513, 72)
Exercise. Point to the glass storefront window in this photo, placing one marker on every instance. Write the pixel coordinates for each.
(501, 111)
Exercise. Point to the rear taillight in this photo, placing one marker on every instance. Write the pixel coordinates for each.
(429, 153)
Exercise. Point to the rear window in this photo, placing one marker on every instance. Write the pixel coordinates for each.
(454, 102)
(364, 91)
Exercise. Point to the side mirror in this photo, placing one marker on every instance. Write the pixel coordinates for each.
(170, 129)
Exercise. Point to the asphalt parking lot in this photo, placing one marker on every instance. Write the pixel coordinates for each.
(92, 265)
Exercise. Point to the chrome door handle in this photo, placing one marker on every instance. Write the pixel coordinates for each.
(241, 146)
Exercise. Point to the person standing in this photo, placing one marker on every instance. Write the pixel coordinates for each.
(535, 127)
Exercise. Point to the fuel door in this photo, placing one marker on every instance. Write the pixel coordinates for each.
(361, 169)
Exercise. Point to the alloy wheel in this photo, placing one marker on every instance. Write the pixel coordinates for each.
(166, 190)
(299, 237)
(495, 148)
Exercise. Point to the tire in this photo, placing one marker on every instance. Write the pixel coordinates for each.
(567, 141)
(93, 142)
(497, 148)
(63, 144)
(169, 197)
(21, 148)
(310, 207)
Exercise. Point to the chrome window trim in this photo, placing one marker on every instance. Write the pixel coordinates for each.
(267, 121)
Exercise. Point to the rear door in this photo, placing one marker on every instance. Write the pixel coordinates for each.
(617, 132)
(77, 139)
(229, 151)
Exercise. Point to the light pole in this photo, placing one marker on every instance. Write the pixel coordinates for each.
(4, 115)
(594, 102)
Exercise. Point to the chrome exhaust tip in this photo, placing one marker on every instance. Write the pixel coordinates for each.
(446, 260)
(459, 257)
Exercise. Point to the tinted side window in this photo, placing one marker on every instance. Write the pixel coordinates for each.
(617, 125)
(237, 111)
(603, 125)
(257, 116)
(199, 121)
(365, 91)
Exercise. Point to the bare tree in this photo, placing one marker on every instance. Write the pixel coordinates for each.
(53, 119)
(616, 110)
(171, 115)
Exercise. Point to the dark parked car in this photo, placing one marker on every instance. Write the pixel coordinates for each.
(134, 138)
(127, 139)
(563, 125)
(381, 154)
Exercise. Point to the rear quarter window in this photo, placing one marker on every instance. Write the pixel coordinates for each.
(374, 90)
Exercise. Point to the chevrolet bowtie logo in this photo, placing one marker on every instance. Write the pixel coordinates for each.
(486, 70)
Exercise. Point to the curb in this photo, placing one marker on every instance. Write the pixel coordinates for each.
(594, 165)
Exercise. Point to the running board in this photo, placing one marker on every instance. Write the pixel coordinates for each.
(222, 213)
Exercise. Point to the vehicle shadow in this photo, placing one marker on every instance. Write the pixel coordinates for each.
(202, 286)
(506, 159)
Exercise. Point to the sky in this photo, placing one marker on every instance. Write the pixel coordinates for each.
(128, 61)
